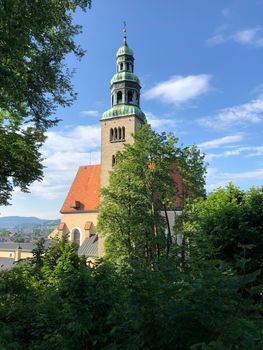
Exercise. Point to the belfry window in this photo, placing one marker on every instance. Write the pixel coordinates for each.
(76, 236)
(111, 134)
(123, 133)
(127, 66)
(130, 96)
(121, 66)
(119, 97)
(117, 134)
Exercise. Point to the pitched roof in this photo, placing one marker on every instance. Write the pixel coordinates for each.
(85, 190)
(12, 246)
(6, 263)
(89, 247)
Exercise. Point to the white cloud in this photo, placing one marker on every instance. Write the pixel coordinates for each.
(160, 123)
(216, 40)
(218, 36)
(64, 152)
(179, 89)
(247, 113)
(220, 141)
(215, 178)
(90, 113)
(249, 36)
(247, 151)
(250, 175)
(60, 172)
(246, 36)
(74, 139)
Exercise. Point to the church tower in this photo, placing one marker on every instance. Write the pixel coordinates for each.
(121, 121)
(80, 210)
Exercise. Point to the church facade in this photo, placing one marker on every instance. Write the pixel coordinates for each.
(79, 212)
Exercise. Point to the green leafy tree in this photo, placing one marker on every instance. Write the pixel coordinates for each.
(35, 38)
(192, 169)
(56, 301)
(140, 188)
(19, 239)
(4, 233)
(227, 225)
(231, 219)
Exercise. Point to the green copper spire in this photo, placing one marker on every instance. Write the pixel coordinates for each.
(125, 85)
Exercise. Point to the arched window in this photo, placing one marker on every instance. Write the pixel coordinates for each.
(115, 134)
(130, 96)
(127, 66)
(111, 134)
(121, 66)
(113, 161)
(112, 100)
(119, 97)
(123, 133)
(76, 236)
(119, 133)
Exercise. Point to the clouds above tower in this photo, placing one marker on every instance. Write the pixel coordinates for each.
(179, 90)
(242, 115)
(64, 151)
(252, 36)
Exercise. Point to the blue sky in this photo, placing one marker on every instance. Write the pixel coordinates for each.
(201, 68)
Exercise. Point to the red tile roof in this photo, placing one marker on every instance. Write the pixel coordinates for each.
(85, 189)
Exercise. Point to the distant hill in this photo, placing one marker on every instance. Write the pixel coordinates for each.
(22, 221)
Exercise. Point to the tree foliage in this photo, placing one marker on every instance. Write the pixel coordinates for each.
(231, 220)
(141, 188)
(35, 38)
(56, 301)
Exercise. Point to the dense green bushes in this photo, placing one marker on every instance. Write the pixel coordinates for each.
(55, 301)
